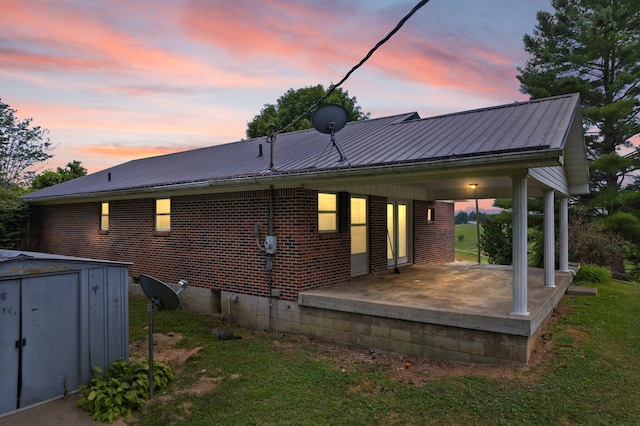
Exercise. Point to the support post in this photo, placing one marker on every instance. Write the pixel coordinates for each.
(519, 285)
(478, 231)
(563, 237)
(151, 386)
(549, 241)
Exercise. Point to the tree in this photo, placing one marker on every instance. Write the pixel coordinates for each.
(14, 216)
(592, 47)
(496, 239)
(461, 217)
(296, 102)
(47, 178)
(21, 146)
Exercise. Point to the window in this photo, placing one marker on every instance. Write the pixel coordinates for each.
(327, 212)
(431, 214)
(104, 217)
(163, 214)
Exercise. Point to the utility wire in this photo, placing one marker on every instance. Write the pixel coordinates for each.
(351, 71)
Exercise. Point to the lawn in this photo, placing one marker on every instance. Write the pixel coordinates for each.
(466, 248)
(592, 376)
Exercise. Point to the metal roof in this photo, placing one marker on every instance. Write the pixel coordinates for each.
(540, 128)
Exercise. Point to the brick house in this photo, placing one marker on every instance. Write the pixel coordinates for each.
(204, 215)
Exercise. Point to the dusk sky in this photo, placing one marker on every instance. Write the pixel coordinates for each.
(123, 79)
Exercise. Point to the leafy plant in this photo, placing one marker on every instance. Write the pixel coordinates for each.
(124, 388)
(593, 274)
(496, 240)
(460, 237)
(591, 243)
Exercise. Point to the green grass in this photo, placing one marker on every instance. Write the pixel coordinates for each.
(594, 377)
(467, 249)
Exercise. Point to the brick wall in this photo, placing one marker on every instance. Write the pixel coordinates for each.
(433, 242)
(212, 242)
(377, 235)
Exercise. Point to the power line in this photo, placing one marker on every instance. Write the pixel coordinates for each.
(351, 71)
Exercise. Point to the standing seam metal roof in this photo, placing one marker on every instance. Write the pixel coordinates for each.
(404, 138)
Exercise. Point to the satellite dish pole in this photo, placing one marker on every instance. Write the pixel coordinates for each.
(160, 296)
(271, 140)
(332, 127)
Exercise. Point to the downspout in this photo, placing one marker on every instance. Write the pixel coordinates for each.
(269, 257)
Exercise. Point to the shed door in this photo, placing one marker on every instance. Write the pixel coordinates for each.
(9, 335)
(51, 329)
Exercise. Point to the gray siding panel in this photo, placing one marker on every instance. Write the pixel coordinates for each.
(553, 177)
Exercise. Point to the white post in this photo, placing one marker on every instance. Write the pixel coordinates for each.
(549, 241)
(563, 237)
(519, 289)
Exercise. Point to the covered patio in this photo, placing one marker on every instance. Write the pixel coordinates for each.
(459, 312)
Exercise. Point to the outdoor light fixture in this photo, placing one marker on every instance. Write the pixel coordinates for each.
(473, 185)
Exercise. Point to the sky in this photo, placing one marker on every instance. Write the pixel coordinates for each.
(118, 80)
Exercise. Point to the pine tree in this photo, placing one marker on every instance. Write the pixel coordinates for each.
(593, 47)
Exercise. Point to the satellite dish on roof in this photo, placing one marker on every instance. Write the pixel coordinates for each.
(159, 293)
(329, 118)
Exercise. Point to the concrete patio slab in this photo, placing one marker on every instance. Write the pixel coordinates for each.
(463, 305)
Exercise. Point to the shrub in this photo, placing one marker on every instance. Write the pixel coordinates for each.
(496, 240)
(590, 243)
(124, 388)
(14, 218)
(460, 237)
(593, 274)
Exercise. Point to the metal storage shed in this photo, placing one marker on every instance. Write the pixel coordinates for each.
(59, 317)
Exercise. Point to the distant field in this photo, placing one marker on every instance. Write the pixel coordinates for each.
(466, 249)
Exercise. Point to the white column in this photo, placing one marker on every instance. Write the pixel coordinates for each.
(549, 241)
(563, 237)
(519, 289)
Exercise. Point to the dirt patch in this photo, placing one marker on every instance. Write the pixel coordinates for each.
(164, 349)
(407, 369)
(419, 371)
(414, 369)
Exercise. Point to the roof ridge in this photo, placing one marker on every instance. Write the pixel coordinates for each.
(496, 107)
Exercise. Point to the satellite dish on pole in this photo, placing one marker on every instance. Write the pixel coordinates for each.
(329, 119)
(161, 296)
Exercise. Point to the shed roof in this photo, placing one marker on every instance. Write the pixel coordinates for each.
(18, 255)
(534, 134)
(15, 263)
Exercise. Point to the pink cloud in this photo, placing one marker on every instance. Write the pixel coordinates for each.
(316, 38)
(125, 152)
(46, 36)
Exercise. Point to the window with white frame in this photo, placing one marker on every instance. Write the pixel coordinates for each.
(163, 214)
